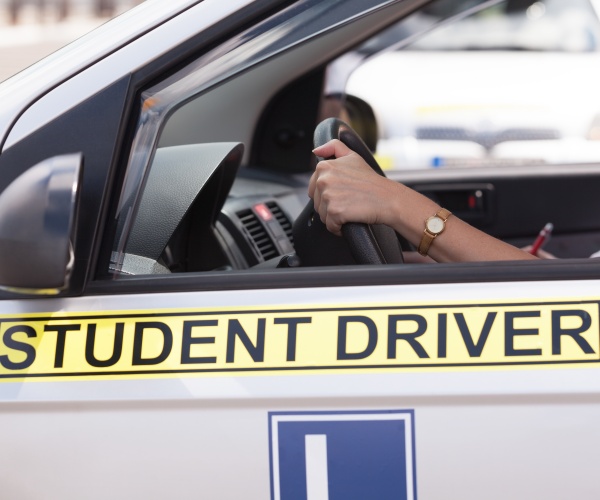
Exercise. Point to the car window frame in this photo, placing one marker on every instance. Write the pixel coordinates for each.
(575, 269)
(363, 9)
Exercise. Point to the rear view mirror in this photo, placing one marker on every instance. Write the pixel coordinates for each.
(37, 219)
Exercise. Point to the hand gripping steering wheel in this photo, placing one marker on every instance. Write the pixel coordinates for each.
(361, 243)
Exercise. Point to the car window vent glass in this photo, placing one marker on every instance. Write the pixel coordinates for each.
(283, 220)
(258, 234)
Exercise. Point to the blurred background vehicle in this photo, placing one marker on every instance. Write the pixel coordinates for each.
(526, 93)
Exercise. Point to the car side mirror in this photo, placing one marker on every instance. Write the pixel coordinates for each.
(37, 220)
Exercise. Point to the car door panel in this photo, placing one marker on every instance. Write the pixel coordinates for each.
(200, 425)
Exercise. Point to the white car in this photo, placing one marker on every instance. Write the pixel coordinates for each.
(175, 322)
(505, 86)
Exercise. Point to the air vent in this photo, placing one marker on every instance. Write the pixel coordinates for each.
(258, 234)
(284, 222)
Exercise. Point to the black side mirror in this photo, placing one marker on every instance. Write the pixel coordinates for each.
(37, 220)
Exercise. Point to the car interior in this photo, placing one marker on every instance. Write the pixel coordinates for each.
(226, 189)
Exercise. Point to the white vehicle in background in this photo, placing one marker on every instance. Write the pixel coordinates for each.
(526, 91)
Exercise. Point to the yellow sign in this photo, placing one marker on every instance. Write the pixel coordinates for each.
(347, 339)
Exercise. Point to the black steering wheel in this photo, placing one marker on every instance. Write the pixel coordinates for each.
(361, 243)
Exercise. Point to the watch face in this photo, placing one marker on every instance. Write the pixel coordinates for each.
(435, 225)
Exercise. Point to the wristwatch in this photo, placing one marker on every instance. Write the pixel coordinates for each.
(433, 226)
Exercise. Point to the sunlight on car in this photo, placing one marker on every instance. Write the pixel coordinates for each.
(514, 84)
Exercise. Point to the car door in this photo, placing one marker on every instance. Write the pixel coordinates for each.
(189, 355)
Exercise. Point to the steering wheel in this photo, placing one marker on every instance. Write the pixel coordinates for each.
(361, 243)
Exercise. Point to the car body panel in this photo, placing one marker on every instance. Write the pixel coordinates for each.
(199, 429)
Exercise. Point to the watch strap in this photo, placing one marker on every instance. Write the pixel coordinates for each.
(428, 236)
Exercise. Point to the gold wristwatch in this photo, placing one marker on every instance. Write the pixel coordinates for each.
(433, 226)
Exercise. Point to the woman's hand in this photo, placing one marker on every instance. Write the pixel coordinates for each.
(346, 189)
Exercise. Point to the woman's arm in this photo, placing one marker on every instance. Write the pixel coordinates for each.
(345, 189)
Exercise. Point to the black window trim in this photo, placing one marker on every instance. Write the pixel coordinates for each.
(401, 274)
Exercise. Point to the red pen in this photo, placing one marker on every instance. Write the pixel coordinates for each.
(542, 238)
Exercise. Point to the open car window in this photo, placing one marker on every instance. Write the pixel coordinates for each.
(219, 166)
(205, 122)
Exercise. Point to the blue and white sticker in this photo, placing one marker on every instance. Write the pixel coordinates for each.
(342, 455)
